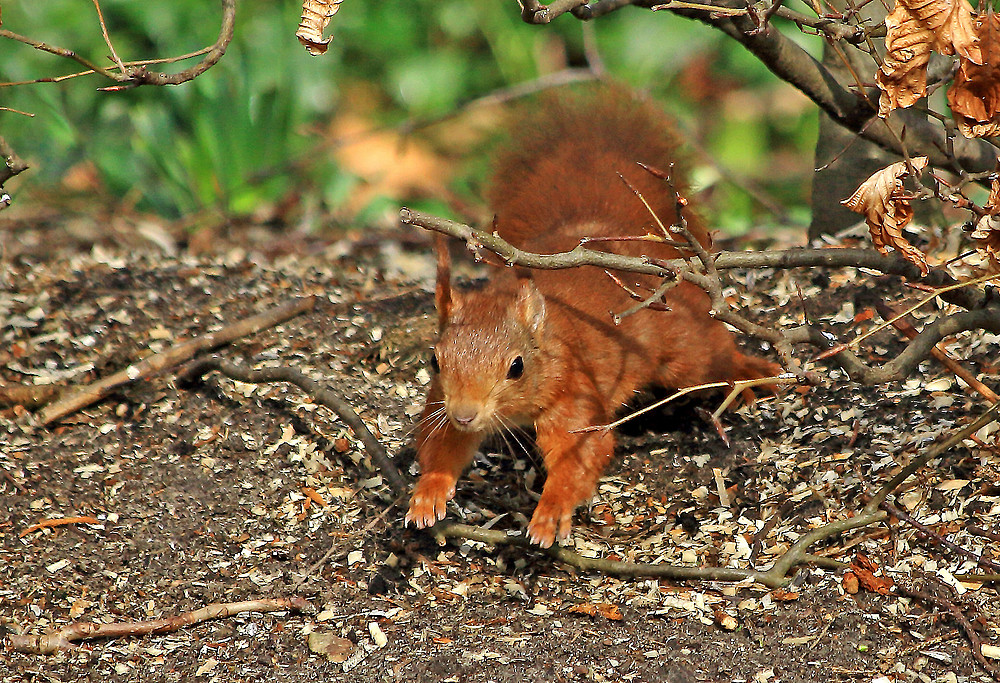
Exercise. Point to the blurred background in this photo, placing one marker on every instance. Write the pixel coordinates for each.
(276, 137)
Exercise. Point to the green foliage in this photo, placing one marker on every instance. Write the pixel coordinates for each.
(245, 133)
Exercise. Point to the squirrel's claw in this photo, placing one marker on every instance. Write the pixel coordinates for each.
(549, 523)
(429, 501)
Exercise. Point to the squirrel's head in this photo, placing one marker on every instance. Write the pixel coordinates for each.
(487, 358)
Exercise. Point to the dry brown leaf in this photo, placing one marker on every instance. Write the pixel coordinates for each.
(974, 96)
(913, 29)
(334, 648)
(725, 620)
(316, 14)
(871, 583)
(955, 33)
(903, 74)
(604, 609)
(987, 232)
(390, 163)
(886, 211)
(862, 574)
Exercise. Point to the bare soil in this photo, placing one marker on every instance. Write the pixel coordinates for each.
(222, 491)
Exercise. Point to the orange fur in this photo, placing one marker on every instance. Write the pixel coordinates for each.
(543, 349)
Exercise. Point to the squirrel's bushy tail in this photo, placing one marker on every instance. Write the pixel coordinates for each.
(560, 171)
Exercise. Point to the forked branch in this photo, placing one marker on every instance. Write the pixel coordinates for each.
(130, 75)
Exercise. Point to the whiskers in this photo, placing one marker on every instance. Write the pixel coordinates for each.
(508, 431)
(515, 438)
(431, 421)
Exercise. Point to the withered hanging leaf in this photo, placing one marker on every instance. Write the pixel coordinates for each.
(974, 96)
(987, 232)
(316, 15)
(955, 33)
(913, 29)
(903, 74)
(878, 199)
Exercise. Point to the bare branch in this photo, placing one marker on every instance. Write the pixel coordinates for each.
(793, 64)
(476, 239)
(59, 52)
(140, 76)
(135, 73)
(917, 350)
(78, 74)
(13, 164)
(939, 352)
(534, 12)
(107, 38)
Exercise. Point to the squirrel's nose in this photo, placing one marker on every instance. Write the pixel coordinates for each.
(464, 416)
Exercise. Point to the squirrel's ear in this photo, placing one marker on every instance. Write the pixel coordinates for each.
(530, 303)
(442, 292)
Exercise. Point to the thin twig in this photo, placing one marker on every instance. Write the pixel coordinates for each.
(934, 537)
(138, 62)
(132, 76)
(939, 352)
(14, 482)
(964, 295)
(28, 395)
(13, 164)
(107, 38)
(59, 52)
(738, 386)
(61, 521)
(923, 302)
(952, 608)
(989, 416)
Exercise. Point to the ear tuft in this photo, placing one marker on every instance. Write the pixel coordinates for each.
(530, 304)
(442, 292)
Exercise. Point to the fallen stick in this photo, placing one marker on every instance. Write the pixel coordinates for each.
(323, 395)
(61, 521)
(27, 395)
(158, 362)
(62, 639)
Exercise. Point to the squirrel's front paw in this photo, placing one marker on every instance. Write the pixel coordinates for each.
(430, 496)
(550, 521)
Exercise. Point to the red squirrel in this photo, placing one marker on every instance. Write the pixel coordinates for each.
(541, 348)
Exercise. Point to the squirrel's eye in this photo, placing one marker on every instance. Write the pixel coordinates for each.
(434, 363)
(516, 368)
